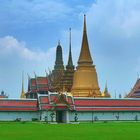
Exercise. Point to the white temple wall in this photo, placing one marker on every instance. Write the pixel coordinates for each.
(95, 116)
(69, 116)
(24, 116)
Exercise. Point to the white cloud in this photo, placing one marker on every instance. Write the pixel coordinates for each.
(10, 45)
(16, 57)
(121, 16)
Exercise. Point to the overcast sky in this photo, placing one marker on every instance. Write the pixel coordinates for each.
(30, 30)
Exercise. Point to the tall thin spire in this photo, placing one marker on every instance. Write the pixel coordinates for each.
(70, 62)
(70, 40)
(85, 24)
(106, 93)
(22, 91)
(106, 88)
(85, 56)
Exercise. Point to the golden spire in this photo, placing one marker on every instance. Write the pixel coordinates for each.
(85, 80)
(106, 93)
(85, 56)
(22, 92)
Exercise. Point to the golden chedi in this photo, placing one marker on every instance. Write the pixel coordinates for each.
(85, 81)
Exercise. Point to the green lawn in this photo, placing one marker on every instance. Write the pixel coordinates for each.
(88, 131)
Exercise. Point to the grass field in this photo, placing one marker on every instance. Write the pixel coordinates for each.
(87, 131)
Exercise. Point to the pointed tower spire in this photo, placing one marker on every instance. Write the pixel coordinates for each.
(59, 58)
(106, 88)
(85, 56)
(22, 92)
(106, 93)
(70, 62)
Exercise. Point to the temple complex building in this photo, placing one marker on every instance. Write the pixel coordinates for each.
(82, 82)
(48, 98)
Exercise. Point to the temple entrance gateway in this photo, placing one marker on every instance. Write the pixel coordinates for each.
(61, 116)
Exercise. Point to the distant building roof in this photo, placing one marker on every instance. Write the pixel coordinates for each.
(135, 92)
(38, 84)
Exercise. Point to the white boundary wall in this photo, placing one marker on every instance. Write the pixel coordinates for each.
(24, 116)
(94, 116)
(69, 116)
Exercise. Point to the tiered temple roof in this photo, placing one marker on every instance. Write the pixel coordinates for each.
(135, 92)
(56, 102)
(37, 85)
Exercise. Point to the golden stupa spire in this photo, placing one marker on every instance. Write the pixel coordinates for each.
(22, 91)
(85, 56)
(85, 80)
